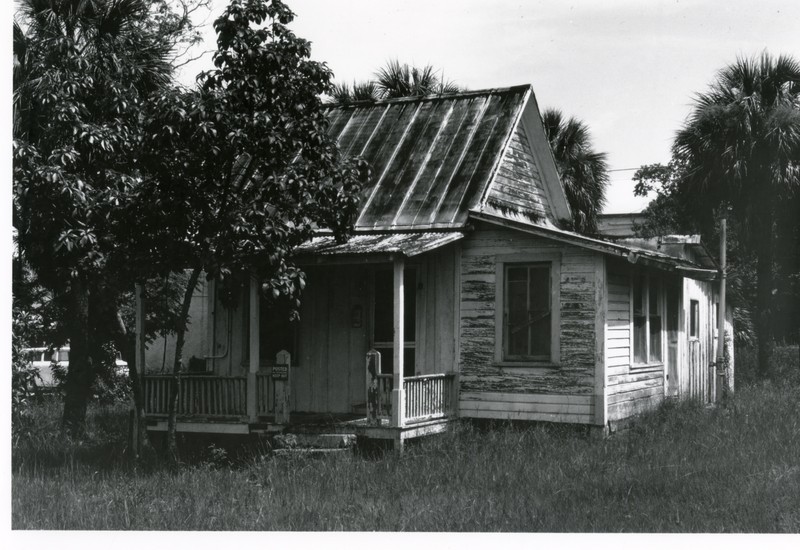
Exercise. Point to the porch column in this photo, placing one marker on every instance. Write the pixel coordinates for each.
(398, 393)
(254, 350)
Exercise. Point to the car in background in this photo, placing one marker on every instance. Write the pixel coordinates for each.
(43, 359)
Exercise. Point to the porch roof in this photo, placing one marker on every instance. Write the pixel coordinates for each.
(706, 269)
(408, 244)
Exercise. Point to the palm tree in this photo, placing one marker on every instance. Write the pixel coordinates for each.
(404, 80)
(742, 145)
(360, 91)
(583, 172)
(393, 81)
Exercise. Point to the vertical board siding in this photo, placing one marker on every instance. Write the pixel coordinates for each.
(481, 380)
(436, 296)
(517, 186)
(630, 391)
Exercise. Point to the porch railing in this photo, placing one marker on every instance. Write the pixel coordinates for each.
(265, 394)
(200, 395)
(429, 397)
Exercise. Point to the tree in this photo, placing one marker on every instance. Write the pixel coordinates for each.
(81, 72)
(583, 172)
(672, 211)
(395, 80)
(741, 144)
(404, 80)
(241, 171)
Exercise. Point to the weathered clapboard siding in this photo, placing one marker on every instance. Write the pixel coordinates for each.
(574, 375)
(629, 390)
(573, 408)
(517, 186)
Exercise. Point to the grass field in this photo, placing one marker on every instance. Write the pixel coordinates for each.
(682, 468)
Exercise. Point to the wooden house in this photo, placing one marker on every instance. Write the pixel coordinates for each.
(460, 295)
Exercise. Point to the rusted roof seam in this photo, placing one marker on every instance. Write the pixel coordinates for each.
(463, 153)
(424, 163)
(387, 166)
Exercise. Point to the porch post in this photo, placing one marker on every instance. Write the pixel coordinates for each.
(254, 348)
(398, 393)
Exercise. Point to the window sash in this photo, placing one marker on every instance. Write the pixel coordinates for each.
(647, 314)
(527, 307)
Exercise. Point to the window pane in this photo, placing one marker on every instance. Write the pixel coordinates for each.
(384, 306)
(63, 355)
(540, 336)
(655, 338)
(410, 302)
(638, 285)
(694, 318)
(639, 339)
(527, 306)
(653, 301)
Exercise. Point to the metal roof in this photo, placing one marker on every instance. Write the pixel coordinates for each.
(409, 244)
(432, 157)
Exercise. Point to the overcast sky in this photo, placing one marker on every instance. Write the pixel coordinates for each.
(628, 68)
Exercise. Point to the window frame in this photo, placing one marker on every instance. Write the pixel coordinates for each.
(502, 262)
(648, 279)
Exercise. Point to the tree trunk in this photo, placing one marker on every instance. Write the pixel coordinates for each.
(140, 444)
(180, 337)
(764, 287)
(80, 372)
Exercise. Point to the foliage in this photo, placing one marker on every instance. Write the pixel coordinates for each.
(583, 171)
(395, 80)
(681, 468)
(241, 171)
(740, 152)
(82, 71)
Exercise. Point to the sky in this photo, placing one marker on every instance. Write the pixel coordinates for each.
(628, 68)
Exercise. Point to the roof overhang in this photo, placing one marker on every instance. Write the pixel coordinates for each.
(633, 254)
(373, 247)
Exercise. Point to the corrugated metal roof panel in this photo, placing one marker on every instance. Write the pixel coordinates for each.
(432, 157)
(409, 244)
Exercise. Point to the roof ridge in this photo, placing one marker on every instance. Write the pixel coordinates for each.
(429, 97)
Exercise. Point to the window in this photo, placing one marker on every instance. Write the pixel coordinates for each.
(647, 319)
(524, 325)
(694, 319)
(383, 321)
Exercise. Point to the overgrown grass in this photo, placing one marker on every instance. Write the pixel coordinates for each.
(682, 468)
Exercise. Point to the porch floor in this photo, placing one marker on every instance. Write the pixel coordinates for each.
(310, 424)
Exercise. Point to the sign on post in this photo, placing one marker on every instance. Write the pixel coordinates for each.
(280, 375)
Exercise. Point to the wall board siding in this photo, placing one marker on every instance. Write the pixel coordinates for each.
(573, 408)
(517, 185)
(631, 390)
(479, 373)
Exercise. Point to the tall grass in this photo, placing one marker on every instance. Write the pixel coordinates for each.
(682, 468)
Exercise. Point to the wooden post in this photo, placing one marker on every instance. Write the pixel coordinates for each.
(722, 368)
(373, 387)
(138, 432)
(254, 350)
(281, 375)
(398, 394)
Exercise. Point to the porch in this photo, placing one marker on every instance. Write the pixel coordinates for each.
(231, 405)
